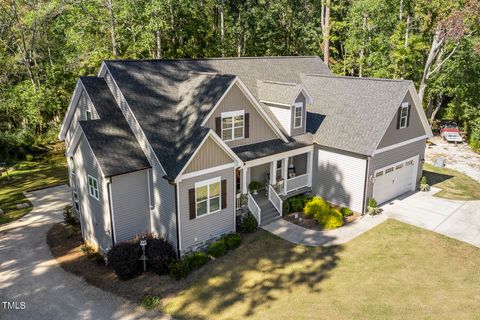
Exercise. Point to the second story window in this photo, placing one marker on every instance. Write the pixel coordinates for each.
(233, 125)
(404, 116)
(88, 115)
(298, 115)
(93, 187)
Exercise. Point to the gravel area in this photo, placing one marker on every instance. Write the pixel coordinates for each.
(459, 157)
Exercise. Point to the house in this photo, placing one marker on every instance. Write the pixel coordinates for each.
(168, 146)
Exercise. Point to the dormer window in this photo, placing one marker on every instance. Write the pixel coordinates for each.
(88, 115)
(233, 125)
(404, 115)
(298, 117)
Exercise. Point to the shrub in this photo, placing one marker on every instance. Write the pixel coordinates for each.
(29, 157)
(69, 216)
(255, 185)
(307, 198)
(314, 206)
(232, 240)
(296, 204)
(217, 249)
(179, 269)
(196, 260)
(372, 203)
(247, 223)
(123, 258)
(330, 219)
(71, 230)
(160, 254)
(88, 249)
(149, 302)
(423, 180)
(346, 212)
(286, 207)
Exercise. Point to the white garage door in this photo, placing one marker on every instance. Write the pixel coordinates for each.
(395, 179)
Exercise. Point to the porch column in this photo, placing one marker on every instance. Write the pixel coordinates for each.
(310, 167)
(273, 172)
(285, 174)
(244, 180)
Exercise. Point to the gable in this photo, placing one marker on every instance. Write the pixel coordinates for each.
(208, 156)
(415, 128)
(234, 100)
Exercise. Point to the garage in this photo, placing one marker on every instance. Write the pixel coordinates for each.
(395, 179)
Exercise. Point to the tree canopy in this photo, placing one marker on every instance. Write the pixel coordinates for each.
(45, 45)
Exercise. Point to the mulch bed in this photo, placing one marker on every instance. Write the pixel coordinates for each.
(66, 250)
(309, 223)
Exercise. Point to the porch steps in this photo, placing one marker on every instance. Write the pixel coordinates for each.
(269, 213)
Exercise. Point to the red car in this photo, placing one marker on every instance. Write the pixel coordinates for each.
(449, 132)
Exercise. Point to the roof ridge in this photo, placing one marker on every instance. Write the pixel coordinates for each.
(212, 58)
(356, 78)
(293, 84)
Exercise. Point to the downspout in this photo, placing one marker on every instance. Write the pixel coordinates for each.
(110, 208)
(172, 182)
(365, 187)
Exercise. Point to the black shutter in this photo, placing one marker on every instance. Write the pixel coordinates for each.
(191, 200)
(224, 193)
(408, 116)
(218, 126)
(247, 125)
(399, 116)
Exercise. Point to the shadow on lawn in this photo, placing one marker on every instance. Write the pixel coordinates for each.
(434, 178)
(255, 276)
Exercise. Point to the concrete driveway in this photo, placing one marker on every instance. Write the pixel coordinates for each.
(455, 219)
(30, 276)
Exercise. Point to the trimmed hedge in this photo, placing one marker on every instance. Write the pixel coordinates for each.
(232, 241)
(196, 260)
(123, 258)
(327, 217)
(217, 249)
(296, 204)
(247, 223)
(160, 254)
(179, 269)
(315, 205)
(346, 212)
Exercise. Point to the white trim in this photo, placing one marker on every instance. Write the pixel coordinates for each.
(295, 107)
(276, 103)
(205, 171)
(94, 189)
(419, 107)
(398, 145)
(73, 146)
(149, 192)
(404, 106)
(232, 115)
(72, 106)
(278, 156)
(207, 183)
(253, 100)
(220, 142)
(177, 209)
(109, 187)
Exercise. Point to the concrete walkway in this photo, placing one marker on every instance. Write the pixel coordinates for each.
(456, 219)
(29, 274)
(299, 235)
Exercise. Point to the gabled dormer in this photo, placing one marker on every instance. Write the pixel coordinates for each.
(288, 103)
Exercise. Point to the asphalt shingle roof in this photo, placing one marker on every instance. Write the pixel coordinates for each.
(171, 98)
(110, 137)
(278, 92)
(352, 114)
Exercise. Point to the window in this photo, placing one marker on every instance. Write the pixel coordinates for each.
(72, 165)
(298, 115)
(403, 115)
(233, 125)
(409, 163)
(88, 115)
(75, 201)
(93, 187)
(207, 197)
(379, 174)
(389, 170)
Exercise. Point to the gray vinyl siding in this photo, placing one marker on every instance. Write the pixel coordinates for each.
(339, 177)
(207, 227)
(395, 155)
(300, 163)
(130, 203)
(208, 156)
(95, 214)
(83, 104)
(259, 173)
(300, 98)
(163, 215)
(235, 100)
(414, 129)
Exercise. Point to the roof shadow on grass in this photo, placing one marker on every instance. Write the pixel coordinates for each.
(270, 268)
(434, 178)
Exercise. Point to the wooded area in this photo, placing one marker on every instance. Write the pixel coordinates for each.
(46, 45)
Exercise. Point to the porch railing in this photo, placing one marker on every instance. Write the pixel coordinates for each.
(297, 182)
(254, 208)
(275, 199)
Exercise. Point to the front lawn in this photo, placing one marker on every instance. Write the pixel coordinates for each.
(26, 176)
(393, 271)
(455, 185)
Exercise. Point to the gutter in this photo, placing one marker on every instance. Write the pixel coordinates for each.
(110, 209)
(366, 185)
(177, 218)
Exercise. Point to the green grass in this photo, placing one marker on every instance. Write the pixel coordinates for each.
(27, 176)
(394, 271)
(455, 185)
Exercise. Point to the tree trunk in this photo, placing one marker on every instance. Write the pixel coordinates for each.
(158, 53)
(362, 49)
(325, 23)
(222, 27)
(437, 44)
(239, 35)
(109, 4)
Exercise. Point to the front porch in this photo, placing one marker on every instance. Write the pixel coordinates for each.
(282, 176)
